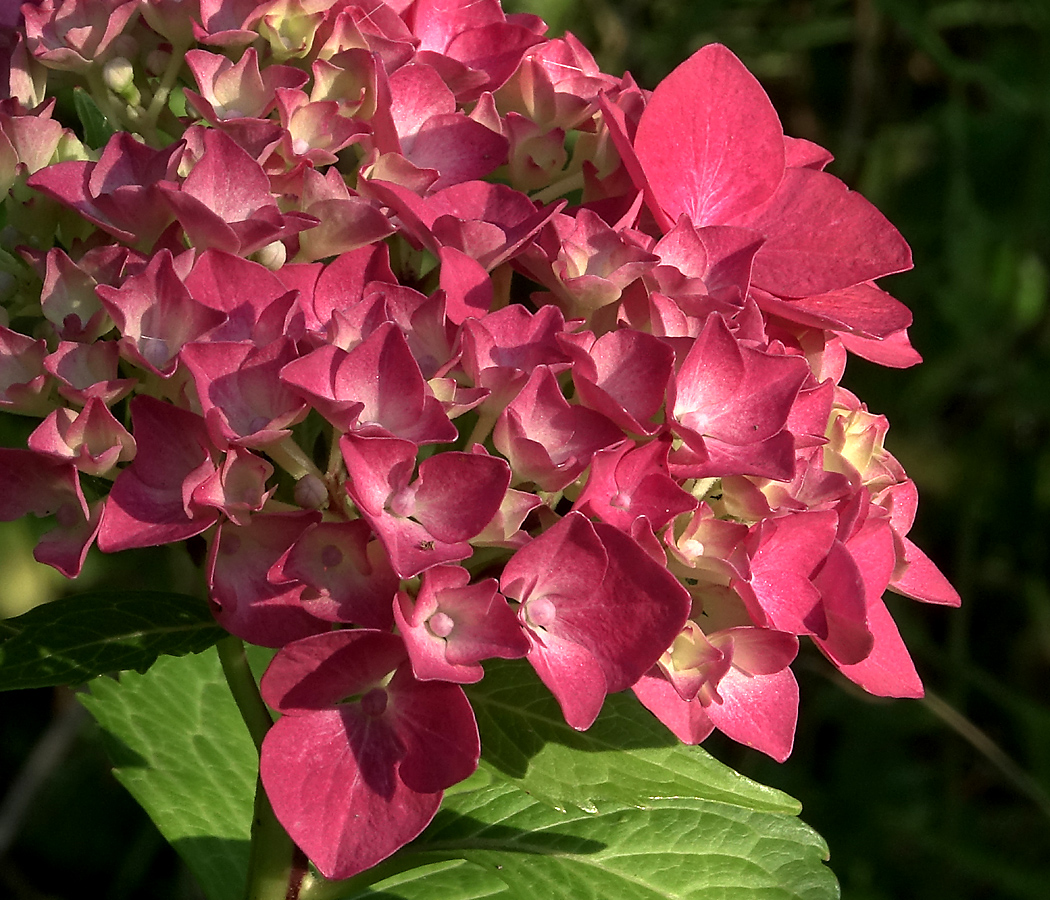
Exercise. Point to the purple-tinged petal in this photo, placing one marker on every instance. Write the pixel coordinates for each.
(147, 504)
(243, 599)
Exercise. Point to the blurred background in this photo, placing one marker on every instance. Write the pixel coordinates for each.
(939, 112)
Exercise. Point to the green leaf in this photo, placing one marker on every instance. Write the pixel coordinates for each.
(683, 849)
(180, 747)
(447, 879)
(626, 756)
(72, 640)
(97, 130)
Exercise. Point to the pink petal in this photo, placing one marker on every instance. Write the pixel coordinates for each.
(332, 782)
(888, 671)
(820, 237)
(758, 711)
(709, 140)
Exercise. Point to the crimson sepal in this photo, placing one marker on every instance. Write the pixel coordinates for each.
(244, 402)
(356, 766)
(244, 600)
(377, 387)
(24, 385)
(730, 404)
(225, 202)
(597, 609)
(258, 307)
(34, 483)
(626, 482)
(92, 439)
(477, 35)
(548, 440)
(431, 134)
(150, 502)
(119, 193)
(624, 375)
(821, 237)
(488, 222)
(156, 315)
(430, 520)
(759, 711)
(346, 571)
(452, 625)
(863, 310)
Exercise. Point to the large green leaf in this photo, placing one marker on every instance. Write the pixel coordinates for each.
(182, 751)
(180, 747)
(684, 849)
(626, 756)
(72, 640)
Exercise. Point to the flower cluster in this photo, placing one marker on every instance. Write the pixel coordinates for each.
(451, 347)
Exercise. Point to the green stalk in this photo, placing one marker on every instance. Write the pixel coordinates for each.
(167, 82)
(276, 866)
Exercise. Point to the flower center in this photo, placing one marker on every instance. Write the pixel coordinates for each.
(373, 703)
(441, 624)
(540, 612)
(331, 556)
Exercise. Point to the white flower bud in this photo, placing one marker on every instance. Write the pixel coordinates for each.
(310, 492)
(118, 75)
(272, 255)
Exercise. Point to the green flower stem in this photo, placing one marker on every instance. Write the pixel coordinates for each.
(276, 866)
(167, 82)
(559, 189)
(290, 457)
(482, 429)
(244, 688)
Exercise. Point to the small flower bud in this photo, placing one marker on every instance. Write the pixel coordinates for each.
(70, 147)
(157, 61)
(272, 255)
(119, 75)
(310, 492)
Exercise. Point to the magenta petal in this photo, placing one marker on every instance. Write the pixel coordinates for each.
(539, 565)
(467, 286)
(820, 237)
(709, 140)
(758, 711)
(732, 392)
(243, 599)
(888, 670)
(593, 603)
(840, 625)
(436, 725)
(922, 580)
(347, 572)
(65, 547)
(861, 309)
(895, 350)
(789, 549)
(146, 506)
(686, 719)
(317, 672)
(572, 674)
(338, 765)
(331, 780)
(457, 494)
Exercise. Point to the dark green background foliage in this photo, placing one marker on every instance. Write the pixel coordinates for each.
(939, 112)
